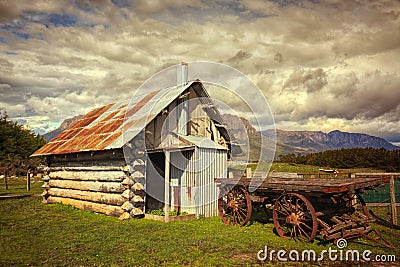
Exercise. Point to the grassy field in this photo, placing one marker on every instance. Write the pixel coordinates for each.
(17, 186)
(34, 234)
(295, 168)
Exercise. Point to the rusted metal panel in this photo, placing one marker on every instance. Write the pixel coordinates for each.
(109, 140)
(140, 104)
(104, 127)
(128, 125)
(49, 147)
(111, 116)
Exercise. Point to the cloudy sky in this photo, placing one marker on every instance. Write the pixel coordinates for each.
(322, 65)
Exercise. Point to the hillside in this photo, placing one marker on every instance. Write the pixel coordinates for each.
(249, 139)
(316, 141)
(64, 125)
(299, 142)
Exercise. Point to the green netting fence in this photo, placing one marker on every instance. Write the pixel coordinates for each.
(383, 194)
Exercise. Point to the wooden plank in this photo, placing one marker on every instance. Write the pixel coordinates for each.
(104, 175)
(248, 173)
(108, 187)
(333, 236)
(88, 168)
(381, 204)
(327, 185)
(379, 174)
(99, 197)
(5, 181)
(28, 181)
(167, 185)
(87, 205)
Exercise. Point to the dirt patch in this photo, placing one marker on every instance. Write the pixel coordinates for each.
(245, 257)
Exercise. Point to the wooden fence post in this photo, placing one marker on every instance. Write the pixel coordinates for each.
(393, 201)
(5, 181)
(167, 180)
(248, 173)
(28, 181)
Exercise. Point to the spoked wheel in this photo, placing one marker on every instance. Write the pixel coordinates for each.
(235, 206)
(295, 217)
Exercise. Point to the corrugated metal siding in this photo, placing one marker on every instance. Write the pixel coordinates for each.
(212, 163)
(183, 176)
(192, 187)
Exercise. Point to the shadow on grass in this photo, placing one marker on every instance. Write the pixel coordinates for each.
(383, 222)
(18, 196)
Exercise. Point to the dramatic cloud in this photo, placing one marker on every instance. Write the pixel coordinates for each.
(312, 80)
(322, 65)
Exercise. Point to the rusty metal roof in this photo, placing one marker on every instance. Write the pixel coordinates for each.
(113, 125)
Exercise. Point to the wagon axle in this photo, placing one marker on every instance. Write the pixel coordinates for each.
(233, 204)
(294, 219)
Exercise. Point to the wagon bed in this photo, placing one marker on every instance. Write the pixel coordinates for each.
(303, 207)
(325, 185)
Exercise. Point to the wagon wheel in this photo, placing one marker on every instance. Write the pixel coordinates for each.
(235, 206)
(295, 217)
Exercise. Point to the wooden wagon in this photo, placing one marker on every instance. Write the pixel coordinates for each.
(303, 207)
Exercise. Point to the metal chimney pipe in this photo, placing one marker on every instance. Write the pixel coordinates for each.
(182, 74)
(183, 104)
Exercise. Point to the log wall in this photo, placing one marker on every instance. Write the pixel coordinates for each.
(108, 182)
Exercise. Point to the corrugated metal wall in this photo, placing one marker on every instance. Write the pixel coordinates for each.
(192, 180)
(212, 163)
(182, 173)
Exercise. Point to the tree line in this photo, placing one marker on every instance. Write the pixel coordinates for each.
(388, 160)
(16, 145)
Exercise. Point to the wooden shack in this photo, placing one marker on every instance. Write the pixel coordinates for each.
(161, 150)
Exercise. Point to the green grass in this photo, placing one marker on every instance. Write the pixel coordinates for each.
(35, 234)
(298, 168)
(288, 167)
(17, 186)
(278, 167)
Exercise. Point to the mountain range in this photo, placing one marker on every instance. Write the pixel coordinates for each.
(299, 142)
(287, 142)
(64, 125)
(304, 142)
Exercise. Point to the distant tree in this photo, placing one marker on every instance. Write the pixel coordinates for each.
(388, 160)
(16, 145)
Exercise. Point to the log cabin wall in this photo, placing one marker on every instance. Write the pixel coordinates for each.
(99, 181)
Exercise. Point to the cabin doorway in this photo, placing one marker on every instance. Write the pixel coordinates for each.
(155, 181)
